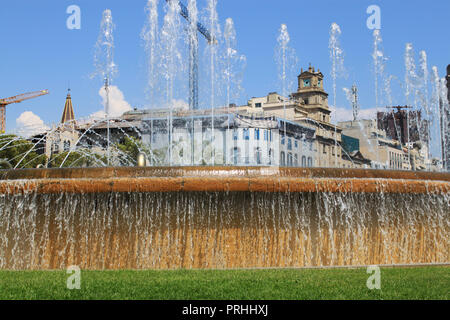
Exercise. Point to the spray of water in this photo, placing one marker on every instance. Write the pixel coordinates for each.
(234, 63)
(435, 141)
(171, 61)
(215, 32)
(104, 51)
(410, 72)
(286, 60)
(150, 36)
(104, 62)
(379, 63)
(336, 56)
(421, 99)
(445, 114)
(193, 53)
(337, 66)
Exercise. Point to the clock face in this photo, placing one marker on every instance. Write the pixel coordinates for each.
(307, 83)
(319, 82)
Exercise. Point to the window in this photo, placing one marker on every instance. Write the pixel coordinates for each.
(258, 105)
(289, 144)
(290, 162)
(56, 147)
(303, 161)
(296, 160)
(236, 155)
(282, 159)
(306, 101)
(310, 163)
(270, 156)
(66, 146)
(246, 134)
(270, 133)
(266, 135)
(324, 149)
(282, 140)
(256, 134)
(332, 150)
(235, 134)
(296, 144)
(258, 155)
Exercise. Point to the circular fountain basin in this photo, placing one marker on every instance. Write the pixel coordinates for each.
(221, 217)
(221, 179)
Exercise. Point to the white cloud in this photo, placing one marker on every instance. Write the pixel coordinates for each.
(117, 103)
(180, 104)
(29, 124)
(345, 114)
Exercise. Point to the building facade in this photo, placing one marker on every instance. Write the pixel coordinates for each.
(404, 126)
(307, 106)
(228, 139)
(384, 152)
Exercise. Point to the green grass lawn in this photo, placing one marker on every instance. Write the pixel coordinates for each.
(286, 284)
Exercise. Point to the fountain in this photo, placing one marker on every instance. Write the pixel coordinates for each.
(221, 217)
(147, 199)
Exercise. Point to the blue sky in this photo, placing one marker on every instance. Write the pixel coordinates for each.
(39, 52)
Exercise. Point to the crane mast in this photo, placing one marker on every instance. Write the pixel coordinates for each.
(193, 55)
(16, 99)
(355, 104)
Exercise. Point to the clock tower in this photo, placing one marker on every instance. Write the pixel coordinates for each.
(312, 96)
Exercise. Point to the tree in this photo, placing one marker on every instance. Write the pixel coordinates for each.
(79, 158)
(17, 151)
(129, 149)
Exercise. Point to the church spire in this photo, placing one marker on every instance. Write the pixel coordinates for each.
(68, 114)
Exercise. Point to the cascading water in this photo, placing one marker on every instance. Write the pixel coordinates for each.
(338, 222)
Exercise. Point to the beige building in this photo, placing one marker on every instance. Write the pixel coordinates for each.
(62, 137)
(308, 106)
(374, 145)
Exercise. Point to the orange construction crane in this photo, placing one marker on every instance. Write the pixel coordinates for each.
(16, 99)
